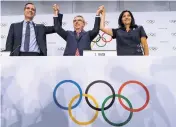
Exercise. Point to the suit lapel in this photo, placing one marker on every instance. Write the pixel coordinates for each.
(35, 28)
(36, 31)
(20, 30)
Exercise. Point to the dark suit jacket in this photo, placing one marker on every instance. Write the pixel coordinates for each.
(82, 43)
(14, 39)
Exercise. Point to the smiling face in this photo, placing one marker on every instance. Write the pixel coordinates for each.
(78, 23)
(29, 11)
(126, 18)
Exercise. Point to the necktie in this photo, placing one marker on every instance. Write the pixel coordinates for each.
(77, 36)
(27, 38)
(77, 51)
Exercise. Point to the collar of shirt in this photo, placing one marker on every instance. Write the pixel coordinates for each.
(79, 32)
(31, 22)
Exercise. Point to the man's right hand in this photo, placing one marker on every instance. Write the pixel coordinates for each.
(100, 9)
(103, 10)
(56, 9)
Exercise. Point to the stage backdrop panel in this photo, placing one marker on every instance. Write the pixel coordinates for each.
(28, 85)
(159, 26)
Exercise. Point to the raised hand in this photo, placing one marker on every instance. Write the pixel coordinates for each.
(56, 9)
(103, 10)
(100, 10)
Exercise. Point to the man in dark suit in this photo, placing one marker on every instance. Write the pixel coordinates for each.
(27, 38)
(77, 40)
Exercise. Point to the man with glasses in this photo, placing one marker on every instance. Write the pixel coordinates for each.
(77, 40)
(27, 38)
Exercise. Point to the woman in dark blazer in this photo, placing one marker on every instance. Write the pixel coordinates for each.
(131, 39)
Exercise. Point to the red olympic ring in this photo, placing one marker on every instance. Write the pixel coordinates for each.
(140, 84)
(103, 39)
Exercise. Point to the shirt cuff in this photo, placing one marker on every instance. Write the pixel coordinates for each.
(97, 15)
(55, 16)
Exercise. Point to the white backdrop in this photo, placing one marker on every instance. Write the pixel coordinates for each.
(27, 86)
(159, 26)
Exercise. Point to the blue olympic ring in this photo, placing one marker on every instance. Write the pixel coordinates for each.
(59, 84)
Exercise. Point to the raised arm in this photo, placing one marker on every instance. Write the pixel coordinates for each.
(94, 32)
(102, 24)
(50, 29)
(57, 26)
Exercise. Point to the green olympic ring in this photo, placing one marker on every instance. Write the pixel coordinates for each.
(98, 39)
(117, 124)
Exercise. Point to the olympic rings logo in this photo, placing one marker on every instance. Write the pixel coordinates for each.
(150, 21)
(3, 24)
(152, 34)
(106, 22)
(103, 108)
(61, 48)
(1, 49)
(153, 48)
(172, 21)
(3, 36)
(64, 23)
(173, 34)
(101, 37)
(44, 23)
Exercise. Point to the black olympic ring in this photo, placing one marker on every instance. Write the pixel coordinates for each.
(108, 84)
(150, 21)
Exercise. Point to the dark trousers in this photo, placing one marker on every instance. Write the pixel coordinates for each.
(29, 54)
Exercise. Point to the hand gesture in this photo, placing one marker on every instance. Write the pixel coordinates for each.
(100, 10)
(56, 9)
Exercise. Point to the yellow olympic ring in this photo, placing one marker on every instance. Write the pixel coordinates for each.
(70, 113)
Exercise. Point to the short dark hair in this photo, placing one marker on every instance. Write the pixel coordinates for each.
(121, 24)
(28, 4)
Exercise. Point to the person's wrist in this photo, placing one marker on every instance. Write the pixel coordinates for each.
(97, 13)
(56, 13)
